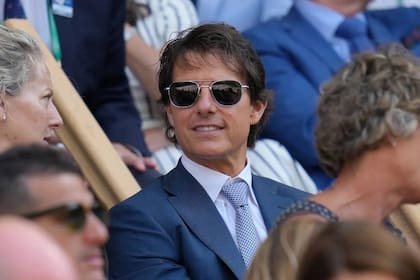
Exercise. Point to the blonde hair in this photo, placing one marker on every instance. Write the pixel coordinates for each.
(279, 256)
(357, 246)
(20, 56)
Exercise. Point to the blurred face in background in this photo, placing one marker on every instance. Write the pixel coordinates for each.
(82, 241)
(368, 275)
(31, 116)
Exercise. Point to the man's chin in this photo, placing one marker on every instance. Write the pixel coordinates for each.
(92, 265)
(92, 274)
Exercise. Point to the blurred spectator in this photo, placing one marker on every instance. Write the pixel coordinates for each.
(46, 185)
(367, 137)
(357, 251)
(87, 38)
(305, 48)
(242, 14)
(27, 252)
(27, 113)
(279, 256)
(149, 24)
(389, 4)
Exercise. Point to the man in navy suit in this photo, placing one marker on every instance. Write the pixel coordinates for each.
(87, 37)
(301, 51)
(184, 226)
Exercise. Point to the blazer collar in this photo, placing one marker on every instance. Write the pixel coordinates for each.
(378, 31)
(200, 214)
(270, 199)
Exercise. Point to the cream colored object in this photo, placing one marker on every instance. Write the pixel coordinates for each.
(82, 135)
(407, 218)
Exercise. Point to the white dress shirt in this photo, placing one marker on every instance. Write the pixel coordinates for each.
(212, 181)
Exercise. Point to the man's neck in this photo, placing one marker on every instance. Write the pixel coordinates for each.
(345, 7)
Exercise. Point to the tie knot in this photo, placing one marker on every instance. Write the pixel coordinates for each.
(351, 27)
(236, 193)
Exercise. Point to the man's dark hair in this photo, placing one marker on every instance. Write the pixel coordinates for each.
(22, 162)
(227, 44)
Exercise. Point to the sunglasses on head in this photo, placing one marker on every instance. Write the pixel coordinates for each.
(74, 215)
(184, 94)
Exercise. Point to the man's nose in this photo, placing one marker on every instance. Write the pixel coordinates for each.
(95, 231)
(205, 99)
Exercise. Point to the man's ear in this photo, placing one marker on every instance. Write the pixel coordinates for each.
(169, 114)
(258, 109)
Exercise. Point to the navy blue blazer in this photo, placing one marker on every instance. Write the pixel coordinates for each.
(172, 230)
(298, 60)
(93, 57)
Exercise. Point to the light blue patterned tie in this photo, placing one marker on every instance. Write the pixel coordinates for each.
(246, 234)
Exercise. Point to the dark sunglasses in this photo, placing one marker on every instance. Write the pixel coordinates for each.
(74, 215)
(184, 94)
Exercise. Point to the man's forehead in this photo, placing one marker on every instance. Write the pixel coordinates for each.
(194, 60)
(58, 188)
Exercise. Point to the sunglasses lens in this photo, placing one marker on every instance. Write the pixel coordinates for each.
(101, 214)
(227, 92)
(183, 94)
(73, 215)
(76, 217)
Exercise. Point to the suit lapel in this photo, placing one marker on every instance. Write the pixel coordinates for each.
(200, 214)
(270, 200)
(378, 31)
(303, 32)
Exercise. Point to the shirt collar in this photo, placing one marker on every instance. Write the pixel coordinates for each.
(324, 19)
(213, 181)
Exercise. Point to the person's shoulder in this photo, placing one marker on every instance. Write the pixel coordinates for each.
(274, 31)
(392, 17)
(394, 11)
(309, 210)
(157, 190)
(279, 188)
(407, 31)
(274, 23)
(150, 194)
(166, 19)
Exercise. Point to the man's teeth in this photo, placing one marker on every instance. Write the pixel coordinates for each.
(207, 128)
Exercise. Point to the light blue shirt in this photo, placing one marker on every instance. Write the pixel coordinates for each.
(213, 181)
(326, 21)
(242, 14)
(37, 13)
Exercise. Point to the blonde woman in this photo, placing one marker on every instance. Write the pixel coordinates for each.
(279, 255)
(357, 251)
